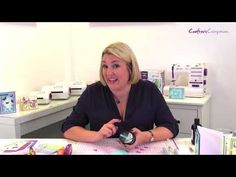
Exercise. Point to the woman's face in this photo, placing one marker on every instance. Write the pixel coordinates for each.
(115, 72)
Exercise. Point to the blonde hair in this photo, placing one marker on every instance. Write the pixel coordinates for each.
(125, 53)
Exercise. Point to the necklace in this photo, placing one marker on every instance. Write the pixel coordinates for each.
(117, 101)
(121, 107)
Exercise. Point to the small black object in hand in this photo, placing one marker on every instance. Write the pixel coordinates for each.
(127, 137)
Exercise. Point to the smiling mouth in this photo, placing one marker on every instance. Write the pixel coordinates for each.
(112, 81)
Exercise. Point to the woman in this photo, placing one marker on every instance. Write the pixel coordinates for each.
(120, 97)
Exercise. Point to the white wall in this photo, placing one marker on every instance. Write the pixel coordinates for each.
(49, 52)
(33, 55)
(157, 45)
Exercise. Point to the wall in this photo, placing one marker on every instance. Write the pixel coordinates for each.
(157, 45)
(32, 56)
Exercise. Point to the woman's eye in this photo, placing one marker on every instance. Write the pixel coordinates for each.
(104, 66)
(115, 66)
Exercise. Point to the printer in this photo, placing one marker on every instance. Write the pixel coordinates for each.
(77, 87)
(59, 92)
(43, 97)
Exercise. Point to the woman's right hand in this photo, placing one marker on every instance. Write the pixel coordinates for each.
(108, 129)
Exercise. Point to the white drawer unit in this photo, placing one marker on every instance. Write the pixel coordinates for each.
(23, 122)
(185, 110)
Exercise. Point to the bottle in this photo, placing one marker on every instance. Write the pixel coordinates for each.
(194, 127)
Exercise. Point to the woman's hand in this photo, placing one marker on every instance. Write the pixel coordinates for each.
(141, 137)
(108, 129)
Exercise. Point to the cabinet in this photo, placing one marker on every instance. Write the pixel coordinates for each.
(24, 122)
(185, 110)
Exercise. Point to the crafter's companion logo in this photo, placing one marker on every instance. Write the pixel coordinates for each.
(206, 31)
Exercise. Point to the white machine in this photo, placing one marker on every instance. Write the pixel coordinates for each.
(43, 97)
(59, 92)
(77, 87)
(193, 78)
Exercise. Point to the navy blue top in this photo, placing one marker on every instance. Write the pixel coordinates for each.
(145, 107)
